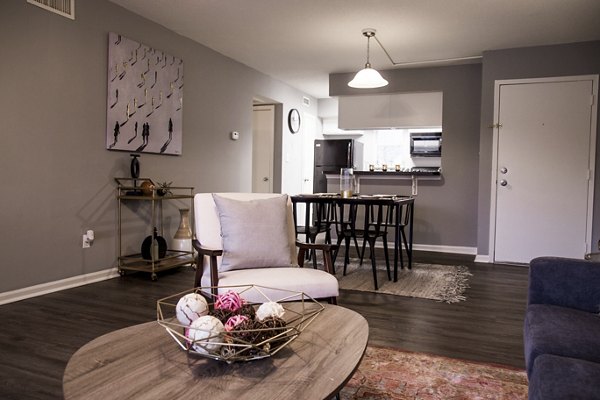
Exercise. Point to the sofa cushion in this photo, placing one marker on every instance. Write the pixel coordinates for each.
(254, 233)
(561, 378)
(565, 282)
(560, 331)
(315, 283)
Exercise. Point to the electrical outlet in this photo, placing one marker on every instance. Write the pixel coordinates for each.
(86, 242)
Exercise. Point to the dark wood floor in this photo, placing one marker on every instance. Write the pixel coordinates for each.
(39, 335)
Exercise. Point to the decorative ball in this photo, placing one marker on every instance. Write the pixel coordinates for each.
(247, 310)
(191, 307)
(147, 188)
(244, 331)
(229, 301)
(221, 315)
(270, 309)
(234, 321)
(271, 327)
(206, 333)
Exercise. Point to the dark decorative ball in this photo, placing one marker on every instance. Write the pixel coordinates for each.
(245, 331)
(248, 311)
(271, 327)
(221, 314)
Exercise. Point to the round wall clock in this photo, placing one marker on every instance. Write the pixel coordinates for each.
(294, 120)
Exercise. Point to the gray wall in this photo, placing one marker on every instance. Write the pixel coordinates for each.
(57, 175)
(530, 62)
(445, 210)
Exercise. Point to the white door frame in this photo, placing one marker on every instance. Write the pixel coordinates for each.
(592, 154)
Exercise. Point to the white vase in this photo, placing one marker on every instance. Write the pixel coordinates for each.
(182, 240)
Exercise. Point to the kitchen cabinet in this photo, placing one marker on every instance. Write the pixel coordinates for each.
(398, 110)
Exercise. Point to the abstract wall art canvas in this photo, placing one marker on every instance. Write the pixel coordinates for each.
(145, 98)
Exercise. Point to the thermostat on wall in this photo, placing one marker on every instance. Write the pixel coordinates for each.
(235, 135)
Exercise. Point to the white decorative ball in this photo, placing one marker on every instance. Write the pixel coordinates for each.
(191, 307)
(207, 330)
(270, 309)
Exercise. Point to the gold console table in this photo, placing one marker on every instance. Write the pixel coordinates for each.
(130, 190)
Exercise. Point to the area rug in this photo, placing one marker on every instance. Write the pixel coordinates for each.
(445, 283)
(391, 374)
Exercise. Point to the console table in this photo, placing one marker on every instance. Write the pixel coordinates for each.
(129, 190)
(143, 362)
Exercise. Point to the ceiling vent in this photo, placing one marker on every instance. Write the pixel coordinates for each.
(306, 101)
(66, 8)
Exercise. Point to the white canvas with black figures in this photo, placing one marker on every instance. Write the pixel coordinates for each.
(145, 98)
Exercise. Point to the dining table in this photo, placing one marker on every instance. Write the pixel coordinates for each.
(366, 216)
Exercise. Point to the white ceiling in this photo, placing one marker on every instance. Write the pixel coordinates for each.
(301, 42)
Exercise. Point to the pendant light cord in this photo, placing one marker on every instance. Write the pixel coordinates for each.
(368, 65)
(418, 62)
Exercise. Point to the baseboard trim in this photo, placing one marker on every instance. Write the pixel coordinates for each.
(55, 286)
(437, 248)
(446, 249)
(482, 258)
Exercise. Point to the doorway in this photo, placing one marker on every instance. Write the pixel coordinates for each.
(263, 147)
(543, 168)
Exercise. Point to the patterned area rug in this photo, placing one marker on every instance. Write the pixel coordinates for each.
(390, 374)
(428, 281)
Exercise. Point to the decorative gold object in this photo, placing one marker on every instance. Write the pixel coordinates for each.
(244, 344)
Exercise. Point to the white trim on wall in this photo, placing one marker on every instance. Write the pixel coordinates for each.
(50, 287)
(482, 258)
(436, 248)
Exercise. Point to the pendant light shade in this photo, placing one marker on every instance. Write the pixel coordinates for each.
(368, 77)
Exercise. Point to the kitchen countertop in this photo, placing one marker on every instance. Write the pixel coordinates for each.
(407, 173)
(424, 171)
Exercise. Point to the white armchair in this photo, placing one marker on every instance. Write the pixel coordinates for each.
(249, 238)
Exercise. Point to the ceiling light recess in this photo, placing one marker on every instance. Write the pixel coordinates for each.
(368, 78)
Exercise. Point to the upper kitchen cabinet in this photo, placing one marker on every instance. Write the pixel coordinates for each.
(400, 110)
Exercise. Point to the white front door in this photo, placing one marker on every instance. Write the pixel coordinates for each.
(544, 167)
(263, 146)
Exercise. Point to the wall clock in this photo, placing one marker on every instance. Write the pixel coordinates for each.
(294, 120)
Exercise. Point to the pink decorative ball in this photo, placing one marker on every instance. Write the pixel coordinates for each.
(234, 321)
(230, 301)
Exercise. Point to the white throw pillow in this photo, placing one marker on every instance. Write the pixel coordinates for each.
(254, 233)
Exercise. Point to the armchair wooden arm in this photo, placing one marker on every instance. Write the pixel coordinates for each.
(325, 248)
(214, 274)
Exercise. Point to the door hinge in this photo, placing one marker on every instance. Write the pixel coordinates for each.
(493, 126)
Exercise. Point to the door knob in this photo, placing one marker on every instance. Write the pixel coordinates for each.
(503, 170)
(265, 179)
(503, 182)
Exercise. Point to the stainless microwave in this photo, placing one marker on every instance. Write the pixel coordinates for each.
(426, 144)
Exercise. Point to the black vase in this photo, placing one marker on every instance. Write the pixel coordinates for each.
(147, 246)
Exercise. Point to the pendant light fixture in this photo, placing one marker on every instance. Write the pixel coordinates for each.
(368, 77)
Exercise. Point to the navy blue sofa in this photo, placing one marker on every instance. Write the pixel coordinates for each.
(562, 329)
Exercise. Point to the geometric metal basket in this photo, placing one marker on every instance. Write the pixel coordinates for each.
(249, 344)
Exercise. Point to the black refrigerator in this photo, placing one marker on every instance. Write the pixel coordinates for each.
(330, 156)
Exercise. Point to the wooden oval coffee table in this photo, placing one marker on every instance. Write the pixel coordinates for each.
(143, 362)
